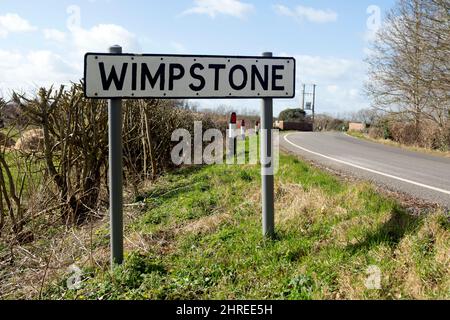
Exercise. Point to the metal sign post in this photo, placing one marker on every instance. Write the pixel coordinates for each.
(115, 174)
(268, 207)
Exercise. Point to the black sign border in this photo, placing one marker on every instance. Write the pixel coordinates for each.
(188, 56)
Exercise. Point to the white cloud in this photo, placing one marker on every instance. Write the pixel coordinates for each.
(317, 68)
(100, 37)
(340, 82)
(212, 8)
(332, 88)
(35, 68)
(284, 11)
(307, 13)
(9, 59)
(178, 47)
(354, 93)
(29, 70)
(54, 35)
(13, 23)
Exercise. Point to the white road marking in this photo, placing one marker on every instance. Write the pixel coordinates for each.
(367, 169)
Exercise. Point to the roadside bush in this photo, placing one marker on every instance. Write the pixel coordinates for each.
(404, 132)
(425, 135)
(431, 136)
(6, 141)
(325, 122)
(148, 127)
(74, 134)
(69, 142)
(376, 133)
(292, 115)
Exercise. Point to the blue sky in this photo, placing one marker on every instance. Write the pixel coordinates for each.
(43, 42)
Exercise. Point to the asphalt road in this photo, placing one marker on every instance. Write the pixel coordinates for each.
(420, 175)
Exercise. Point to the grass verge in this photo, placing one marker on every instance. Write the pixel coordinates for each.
(199, 237)
(388, 142)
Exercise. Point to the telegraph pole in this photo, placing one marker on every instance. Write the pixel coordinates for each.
(310, 105)
(303, 96)
(314, 106)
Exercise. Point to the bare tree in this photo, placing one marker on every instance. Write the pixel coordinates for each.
(437, 35)
(408, 66)
(396, 61)
(367, 116)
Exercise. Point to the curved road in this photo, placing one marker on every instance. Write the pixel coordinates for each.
(421, 175)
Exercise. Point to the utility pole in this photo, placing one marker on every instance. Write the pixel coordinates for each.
(309, 105)
(314, 106)
(303, 96)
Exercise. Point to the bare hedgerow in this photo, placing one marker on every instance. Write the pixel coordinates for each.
(65, 143)
(147, 134)
(75, 146)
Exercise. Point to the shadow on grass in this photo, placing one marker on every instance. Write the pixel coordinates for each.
(164, 194)
(391, 232)
(174, 189)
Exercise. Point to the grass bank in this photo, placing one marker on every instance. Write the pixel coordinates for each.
(199, 237)
(388, 142)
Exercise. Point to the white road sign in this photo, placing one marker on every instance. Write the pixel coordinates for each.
(181, 76)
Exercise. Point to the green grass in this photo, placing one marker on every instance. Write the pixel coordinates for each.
(19, 163)
(357, 134)
(11, 132)
(202, 229)
(24, 168)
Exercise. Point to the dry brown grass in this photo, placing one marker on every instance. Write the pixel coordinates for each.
(31, 140)
(28, 269)
(204, 225)
(293, 202)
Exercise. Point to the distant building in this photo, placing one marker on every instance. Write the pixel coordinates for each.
(357, 126)
(305, 126)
